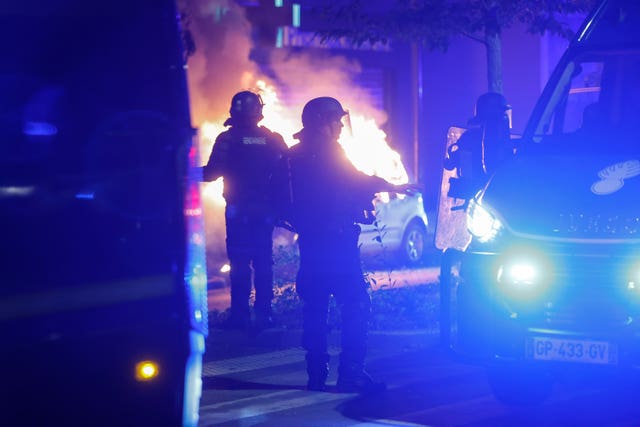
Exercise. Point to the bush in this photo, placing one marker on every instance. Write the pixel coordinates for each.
(411, 307)
(393, 307)
(408, 307)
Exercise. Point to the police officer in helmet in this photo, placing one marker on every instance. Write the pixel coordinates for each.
(246, 155)
(328, 198)
(487, 143)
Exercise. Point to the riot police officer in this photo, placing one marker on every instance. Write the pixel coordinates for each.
(328, 198)
(246, 155)
(486, 144)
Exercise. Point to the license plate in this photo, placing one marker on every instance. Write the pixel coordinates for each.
(572, 350)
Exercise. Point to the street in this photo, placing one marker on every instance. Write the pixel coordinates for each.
(265, 387)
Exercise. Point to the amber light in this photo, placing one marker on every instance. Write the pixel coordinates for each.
(147, 370)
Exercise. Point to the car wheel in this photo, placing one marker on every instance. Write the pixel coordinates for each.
(413, 244)
(519, 386)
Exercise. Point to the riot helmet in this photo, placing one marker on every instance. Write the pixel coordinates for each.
(490, 106)
(246, 106)
(321, 111)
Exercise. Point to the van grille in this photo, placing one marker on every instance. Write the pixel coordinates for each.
(591, 292)
(583, 225)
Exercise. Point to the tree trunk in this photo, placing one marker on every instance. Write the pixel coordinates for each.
(494, 62)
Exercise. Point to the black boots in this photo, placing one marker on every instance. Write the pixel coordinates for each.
(352, 378)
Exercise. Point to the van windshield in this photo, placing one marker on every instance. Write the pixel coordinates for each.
(596, 104)
(92, 116)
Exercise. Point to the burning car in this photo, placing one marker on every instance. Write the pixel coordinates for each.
(398, 232)
(549, 263)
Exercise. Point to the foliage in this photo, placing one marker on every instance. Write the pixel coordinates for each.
(287, 308)
(383, 260)
(286, 260)
(410, 307)
(393, 307)
(401, 308)
(433, 23)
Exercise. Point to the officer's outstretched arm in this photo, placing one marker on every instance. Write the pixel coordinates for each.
(408, 188)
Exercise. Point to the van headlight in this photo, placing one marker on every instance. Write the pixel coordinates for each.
(482, 223)
(524, 273)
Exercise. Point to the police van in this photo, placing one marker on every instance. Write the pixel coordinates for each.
(103, 313)
(548, 249)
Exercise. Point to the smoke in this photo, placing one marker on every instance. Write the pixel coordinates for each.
(221, 66)
(304, 76)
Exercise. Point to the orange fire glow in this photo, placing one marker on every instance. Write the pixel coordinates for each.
(364, 142)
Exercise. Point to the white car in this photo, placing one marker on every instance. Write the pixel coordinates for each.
(399, 232)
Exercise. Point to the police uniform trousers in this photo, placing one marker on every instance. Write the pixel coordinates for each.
(250, 253)
(330, 265)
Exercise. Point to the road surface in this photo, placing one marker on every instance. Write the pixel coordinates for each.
(263, 385)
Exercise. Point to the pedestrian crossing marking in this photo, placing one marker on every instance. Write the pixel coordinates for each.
(258, 406)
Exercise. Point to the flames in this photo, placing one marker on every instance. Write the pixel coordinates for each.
(365, 144)
(367, 148)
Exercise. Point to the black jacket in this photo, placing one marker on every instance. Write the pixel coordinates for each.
(246, 158)
(327, 192)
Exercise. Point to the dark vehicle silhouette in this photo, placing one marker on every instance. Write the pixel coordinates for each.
(103, 292)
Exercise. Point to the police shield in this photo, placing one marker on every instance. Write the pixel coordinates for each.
(455, 191)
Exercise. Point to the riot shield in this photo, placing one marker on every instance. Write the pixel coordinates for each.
(451, 226)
